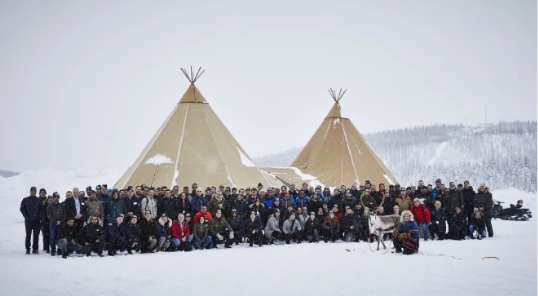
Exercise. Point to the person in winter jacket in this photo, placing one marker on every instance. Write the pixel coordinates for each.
(56, 216)
(406, 240)
(287, 200)
(115, 206)
(351, 226)
(216, 203)
(31, 211)
(315, 202)
(404, 201)
(348, 201)
(117, 235)
(453, 200)
(477, 225)
(426, 198)
(438, 222)
(198, 201)
(483, 200)
(92, 237)
(181, 232)
(312, 227)
(94, 207)
(421, 216)
(183, 205)
(237, 226)
(331, 228)
(368, 201)
(292, 230)
(459, 225)
(148, 241)
(272, 229)
(468, 199)
(301, 200)
(149, 204)
(163, 233)
(241, 206)
(221, 232)
(253, 230)
(168, 205)
(67, 236)
(132, 206)
(45, 231)
(201, 239)
(202, 213)
(133, 235)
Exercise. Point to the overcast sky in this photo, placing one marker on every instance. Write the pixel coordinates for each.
(87, 84)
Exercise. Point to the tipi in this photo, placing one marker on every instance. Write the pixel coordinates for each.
(193, 146)
(338, 155)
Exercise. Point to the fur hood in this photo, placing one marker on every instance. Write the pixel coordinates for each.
(162, 222)
(406, 212)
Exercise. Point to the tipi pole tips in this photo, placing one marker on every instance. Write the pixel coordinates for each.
(193, 77)
(338, 97)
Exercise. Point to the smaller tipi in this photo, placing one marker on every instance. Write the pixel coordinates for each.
(194, 146)
(337, 154)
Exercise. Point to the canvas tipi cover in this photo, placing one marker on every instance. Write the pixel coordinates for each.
(337, 154)
(193, 146)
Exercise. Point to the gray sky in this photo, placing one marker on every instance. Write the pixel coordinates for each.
(87, 84)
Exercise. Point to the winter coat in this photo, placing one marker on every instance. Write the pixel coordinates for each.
(331, 225)
(163, 229)
(114, 208)
(250, 226)
(410, 231)
(91, 233)
(369, 202)
(301, 202)
(421, 213)
(314, 204)
(44, 218)
(148, 204)
(218, 225)
(285, 202)
(479, 223)
(348, 221)
(167, 206)
(197, 203)
(31, 208)
(183, 206)
(272, 225)
(453, 199)
(68, 232)
(207, 217)
(403, 203)
(484, 199)
(236, 223)
(180, 230)
(242, 208)
(388, 205)
(147, 229)
(215, 204)
(200, 232)
(310, 225)
(302, 219)
(133, 233)
(438, 217)
(267, 201)
(350, 202)
(291, 226)
(131, 205)
(95, 208)
(55, 213)
(459, 222)
(335, 200)
(117, 231)
(468, 199)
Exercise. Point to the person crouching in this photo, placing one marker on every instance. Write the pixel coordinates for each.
(406, 240)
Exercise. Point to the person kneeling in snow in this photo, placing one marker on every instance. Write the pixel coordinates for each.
(253, 230)
(163, 233)
(133, 235)
(67, 234)
(292, 229)
(117, 235)
(459, 224)
(181, 237)
(438, 222)
(477, 228)
(331, 228)
(406, 238)
(221, 232)
(92, 237)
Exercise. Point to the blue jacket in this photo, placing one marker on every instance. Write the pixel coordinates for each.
(301, 203)
(268, 202)
(31, 208)
(198, 202)
(410, 228)
(116, 231)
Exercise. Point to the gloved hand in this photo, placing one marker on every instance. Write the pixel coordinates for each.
(219, 236)
(232, 235)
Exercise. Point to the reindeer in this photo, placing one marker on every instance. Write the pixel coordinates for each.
(380, 225)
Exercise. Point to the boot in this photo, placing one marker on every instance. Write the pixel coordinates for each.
(64, 255)
(398, 250)
(35, 252)
(28, 252)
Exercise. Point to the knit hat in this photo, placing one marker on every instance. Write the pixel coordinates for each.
(134, 217)
(33, 188)
(416, 199)
(219, 212)
(148, 212)
(120, 215)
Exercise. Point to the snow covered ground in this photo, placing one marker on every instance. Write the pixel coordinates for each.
(444, 268)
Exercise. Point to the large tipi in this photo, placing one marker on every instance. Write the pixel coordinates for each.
(337, 154)
(193, 146)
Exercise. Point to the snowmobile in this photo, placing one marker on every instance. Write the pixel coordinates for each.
(514, 212)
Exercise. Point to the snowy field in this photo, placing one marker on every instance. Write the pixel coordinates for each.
(444, 268)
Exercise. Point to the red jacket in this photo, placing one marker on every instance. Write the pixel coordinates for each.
(179, 231)
(207, 216)
(421, 213)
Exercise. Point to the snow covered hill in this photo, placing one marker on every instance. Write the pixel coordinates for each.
(503, 155)
(313, 269)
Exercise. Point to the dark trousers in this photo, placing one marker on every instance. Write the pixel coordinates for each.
(238, 236)
(225, 239)
(32, 227)
(313, 236)
(53, 232)
(434, 229)
(116, 244)
(296, 236)
(46, 236)
(489, 227)
(95, 247)
(252, 237)
(327, 235)
(400, 248)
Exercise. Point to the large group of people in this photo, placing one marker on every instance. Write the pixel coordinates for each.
(147, 220)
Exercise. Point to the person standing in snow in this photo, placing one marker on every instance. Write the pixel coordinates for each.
(438, 222)
(149, 204)
(483, 200)
(45, 221)
(94, 207)
(468, 199)
(56, 216)
(31, 211)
